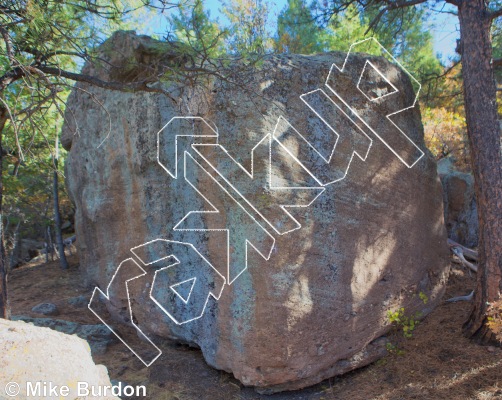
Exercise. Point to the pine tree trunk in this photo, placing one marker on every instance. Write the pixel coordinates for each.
(483, 130)
(4, 300)
(57, 219)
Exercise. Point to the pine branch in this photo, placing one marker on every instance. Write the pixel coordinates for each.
(45, 71)
(391, 5)
(495, 14)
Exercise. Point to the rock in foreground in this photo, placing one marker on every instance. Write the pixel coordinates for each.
(31, 354)
(362, 244)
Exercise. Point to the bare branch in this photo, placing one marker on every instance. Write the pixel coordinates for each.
(33, 108)
(495, 14)
(16, 132)
(391, 5)
(461, 298)
(443, 74)
(8, 45)
(43, 57)
(10, 77)
(123, 87)
(395, 4)
(469, 253)
(459, 253)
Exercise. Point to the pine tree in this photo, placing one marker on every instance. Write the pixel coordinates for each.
(297, 31)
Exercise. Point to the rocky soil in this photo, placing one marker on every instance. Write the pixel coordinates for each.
(437, 362)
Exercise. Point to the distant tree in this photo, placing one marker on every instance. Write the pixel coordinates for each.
(445, 135)
(249, 29)
(57, 212)
(27, 195)
(345, 28)
(194, 27)
(406, 38)
(297, 30)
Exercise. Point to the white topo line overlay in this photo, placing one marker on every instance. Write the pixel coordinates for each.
(170, 165)
(214, 210)
(343, 68)
(107, 296)
(216, 296)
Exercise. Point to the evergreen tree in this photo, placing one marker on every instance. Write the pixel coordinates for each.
(202, 36)
(40, 43)
(249, 29)
(406, 39)
(297, 31)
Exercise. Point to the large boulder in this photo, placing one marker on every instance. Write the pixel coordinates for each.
(371, 242)
(34, 356)
(460, 209)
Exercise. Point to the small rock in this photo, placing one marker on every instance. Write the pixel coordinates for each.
(46, 309)
(491, 349)
(460, 210)
(98, 336)
(66, 225)
(78, 302)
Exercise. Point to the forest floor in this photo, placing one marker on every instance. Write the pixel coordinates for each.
(437, 362)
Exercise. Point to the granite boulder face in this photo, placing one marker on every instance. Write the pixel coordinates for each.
(304, 294)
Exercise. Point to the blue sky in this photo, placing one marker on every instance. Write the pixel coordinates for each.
(445, 31)
(443, 26)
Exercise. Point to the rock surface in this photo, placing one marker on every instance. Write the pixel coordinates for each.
(370, 243)
(46, 309)
(98, 336)
(78, 302)
(32, 354)
(460, 210)
(26, 250)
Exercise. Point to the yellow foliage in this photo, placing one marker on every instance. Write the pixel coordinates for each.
(494, 318)
(446, 135)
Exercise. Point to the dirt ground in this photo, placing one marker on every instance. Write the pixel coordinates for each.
(437, 362)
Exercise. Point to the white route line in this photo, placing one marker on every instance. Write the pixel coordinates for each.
(251, 175)
(172, 287)
(270, 138)
(215, 296)
(216, 211)
(107, 296)
(355, 127)
(175, 174)
(388, 115)
(383, 77)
